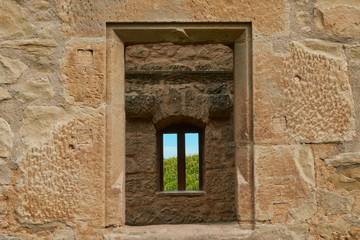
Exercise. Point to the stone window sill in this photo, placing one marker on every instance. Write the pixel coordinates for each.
(181, 193)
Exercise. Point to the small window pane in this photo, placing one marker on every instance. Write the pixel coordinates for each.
(192, 161)
(170, 162)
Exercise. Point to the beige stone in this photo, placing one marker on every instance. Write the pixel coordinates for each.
(14, 21)
(40, 122)
(35, 89)
(333, 203)
(64, 175)
(284, 175)
(319, 106)
(82, 72)
(41, 5)
(5, 174)
(6, 138)
(261, 12)
(10, 70)
(355, 53)
(348, 179)
(340, 18)
(38, 46)
(4, 94)
(344, 159)
(303, 18)
(327, 229)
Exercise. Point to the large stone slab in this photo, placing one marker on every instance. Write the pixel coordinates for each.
(90, 21)
(319, 106)
(284, 183)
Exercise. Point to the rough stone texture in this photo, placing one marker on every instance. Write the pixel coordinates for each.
(340, 18)
(170, 57)
(90, 22)
(36, 89)
(304, 114)
(10, 70)
(6, 141)
(319, 105)
(14, 20)
(284, 183)
(4, 94)
(37, 46)
(64, 166)
(82, 72)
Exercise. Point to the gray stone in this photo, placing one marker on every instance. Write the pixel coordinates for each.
(139, 106)
(220, 106)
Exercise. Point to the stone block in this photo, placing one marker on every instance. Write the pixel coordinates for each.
(36, 46)
(340, 18)
(319, 106)
(4, 94)
(344, 159)
(83, 71)
(35, 89)
(333, 203)
(6, 138)
(14, 20)
(220, 105)
(284, 174)
(10, 70)
(140, 106)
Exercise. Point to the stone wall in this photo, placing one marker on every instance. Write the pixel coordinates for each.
(54, 103)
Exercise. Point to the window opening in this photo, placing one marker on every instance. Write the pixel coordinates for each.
(180, 159)
(170, 162)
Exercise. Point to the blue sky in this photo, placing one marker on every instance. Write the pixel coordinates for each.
(170, 144)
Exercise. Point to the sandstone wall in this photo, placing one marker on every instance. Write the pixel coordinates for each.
(53, 104)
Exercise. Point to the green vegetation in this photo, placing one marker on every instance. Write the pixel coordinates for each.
(191, 173)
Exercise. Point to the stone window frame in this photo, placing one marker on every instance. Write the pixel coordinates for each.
(180, 129)
(118, 36)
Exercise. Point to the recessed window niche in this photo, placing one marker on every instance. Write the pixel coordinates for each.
(165, 75)
(179, 89)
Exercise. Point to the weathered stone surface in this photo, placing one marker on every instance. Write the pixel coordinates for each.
(40, 122)
(35, 89)
(37, 46)
(326, 230)
(4, 94)
(319, 105)
(268, 95)
(284, 175)
(348, 179)
(10, 70)
(62, 173)
(183, 231)
(333, 203)
(171, 57)
(82, 72)
(5, 175)
(91, 22)
(14, 20)
(344, 159)
(340, 18)
(6, 138)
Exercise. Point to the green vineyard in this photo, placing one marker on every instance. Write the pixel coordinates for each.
(191, 173)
